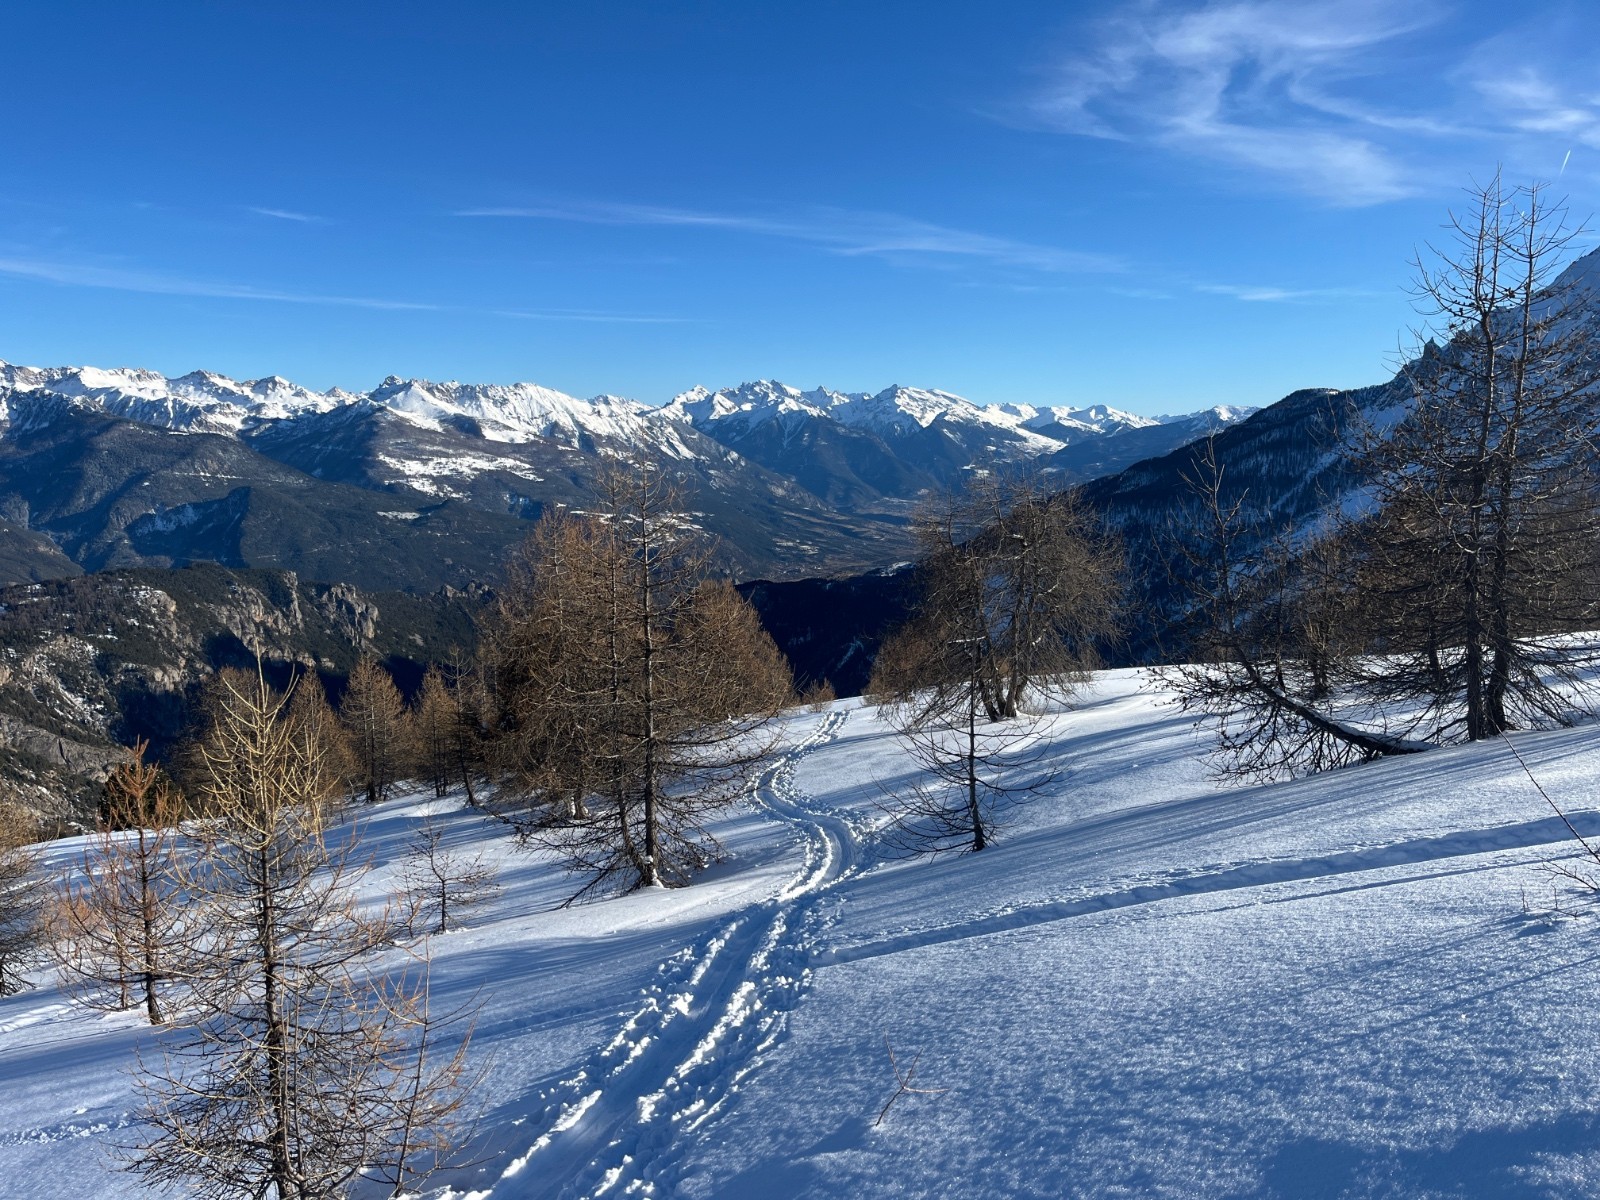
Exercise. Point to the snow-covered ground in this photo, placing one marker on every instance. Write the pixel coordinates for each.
(1363, 984)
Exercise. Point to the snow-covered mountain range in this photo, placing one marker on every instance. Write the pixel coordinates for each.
(206, 402)
(895, 410)
(122, 466)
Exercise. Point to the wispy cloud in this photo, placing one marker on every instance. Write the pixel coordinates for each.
(838, 231)
(1339, 101)
(75, 274)
(1256, 294)
(1248, 84)
(1528, 100)
(79, 274)
(284, 214)
(581, 315)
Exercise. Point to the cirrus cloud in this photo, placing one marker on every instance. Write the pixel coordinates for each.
(1344, 102)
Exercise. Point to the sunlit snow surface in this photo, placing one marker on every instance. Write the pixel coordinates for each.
(1356, 985)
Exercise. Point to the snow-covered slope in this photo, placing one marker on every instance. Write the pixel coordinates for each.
(1361, 984)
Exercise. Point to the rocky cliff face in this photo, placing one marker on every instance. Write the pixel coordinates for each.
(88, 665)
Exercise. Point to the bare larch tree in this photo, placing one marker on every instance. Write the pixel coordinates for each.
(304, 1067)
(1439, 602)
(1269, 635)
(121, 914)
(441, 882)
(1481, 555)
(1017, 590)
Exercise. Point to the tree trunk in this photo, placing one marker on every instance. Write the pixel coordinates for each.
(149, 946)
(974, 813)
(278, 1100)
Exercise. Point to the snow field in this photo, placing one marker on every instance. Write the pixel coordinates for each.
(1361, 984)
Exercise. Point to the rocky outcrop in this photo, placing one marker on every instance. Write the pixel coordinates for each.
(89, 665)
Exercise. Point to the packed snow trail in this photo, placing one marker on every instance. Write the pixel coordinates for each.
(615, 1127)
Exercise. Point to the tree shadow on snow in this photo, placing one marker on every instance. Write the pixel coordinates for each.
(1488, 1163)
(799, 1174)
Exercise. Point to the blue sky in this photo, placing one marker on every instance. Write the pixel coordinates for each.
(1156, 205)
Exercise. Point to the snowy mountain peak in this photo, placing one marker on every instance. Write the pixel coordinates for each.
(749, 404)
(899, 410)
(514, 412)
(895, 411)
(896, 405)
(1220, 414)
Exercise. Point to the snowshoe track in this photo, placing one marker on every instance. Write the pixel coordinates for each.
(618, 1126)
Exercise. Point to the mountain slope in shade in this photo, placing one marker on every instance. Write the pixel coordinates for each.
(1282, 453)
(89, 664)
(1282, 460)
(110, 492)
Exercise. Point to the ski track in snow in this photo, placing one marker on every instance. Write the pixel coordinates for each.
(67, 1129)
(617, 1127)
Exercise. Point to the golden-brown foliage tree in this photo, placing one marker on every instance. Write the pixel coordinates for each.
(468, 692)
(434, 728)
(311, 713)
(380, 736)
(635, 694)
